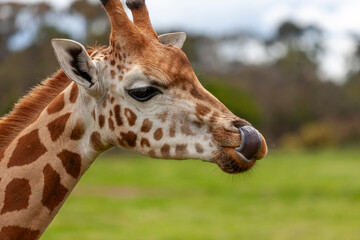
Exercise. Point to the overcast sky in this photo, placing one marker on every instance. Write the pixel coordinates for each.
(339, 18)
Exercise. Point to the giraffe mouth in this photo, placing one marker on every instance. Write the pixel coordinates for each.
(251, 143)
(240, 159)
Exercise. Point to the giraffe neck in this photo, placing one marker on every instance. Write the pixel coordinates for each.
(45, 161)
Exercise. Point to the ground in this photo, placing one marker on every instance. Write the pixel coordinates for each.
(289, 195)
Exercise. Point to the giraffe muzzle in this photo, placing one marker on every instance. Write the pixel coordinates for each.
(251, 143)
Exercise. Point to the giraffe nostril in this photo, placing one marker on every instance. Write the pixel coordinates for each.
(251, 142)
(240, 123)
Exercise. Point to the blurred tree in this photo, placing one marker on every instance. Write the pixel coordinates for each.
(306, 39)
(289, 30)
(191, 47)
(243, 105)
(352, 86)
(26, 68)
(97, 23)
(10, 23)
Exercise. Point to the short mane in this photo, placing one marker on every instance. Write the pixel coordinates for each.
(30, 106)
(33, 103)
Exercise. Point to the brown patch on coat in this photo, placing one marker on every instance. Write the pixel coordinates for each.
(57, 126)
(158, 134)
(17, 195)
(96, 143)
(28, 149)
(111, 124)
(181, 149)
(146, 126)
(152, 154)
(214, 117)
(112, 62)
(117, 115)
(172, 130)
(185, 129)
(113, 73)
(162, 116)
(18, 233)
(71, 162)
(112, 100)
(104, 103)
(198, 125)
(165, 151)
(57, 105)
(118, 48)
(202, 109)
(101, 121)
(54, 192)
(131, 116)
(78, 131)
(128, 139)
(181, 82)
(199, 148)
(145, 143)
(74, 93)
(196, 93)
(2, 154)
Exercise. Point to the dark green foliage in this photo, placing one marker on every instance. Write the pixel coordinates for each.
(238, 100)
(289, 30)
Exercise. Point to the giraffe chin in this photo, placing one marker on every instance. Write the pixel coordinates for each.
(231, 161)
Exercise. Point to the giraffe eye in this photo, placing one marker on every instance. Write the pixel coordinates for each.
(144, 93)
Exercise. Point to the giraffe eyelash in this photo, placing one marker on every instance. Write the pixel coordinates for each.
(143, 94)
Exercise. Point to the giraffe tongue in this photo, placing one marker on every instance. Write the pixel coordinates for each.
(251, 142)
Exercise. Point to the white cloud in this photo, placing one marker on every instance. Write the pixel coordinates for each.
(333, 64)
(57, 3)
(250, 51)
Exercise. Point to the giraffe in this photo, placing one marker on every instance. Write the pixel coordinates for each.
(139, 93)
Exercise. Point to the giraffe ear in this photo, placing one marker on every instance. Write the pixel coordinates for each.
(176, 39)
(75, 61)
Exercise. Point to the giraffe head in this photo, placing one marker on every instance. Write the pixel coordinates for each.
(148, 98)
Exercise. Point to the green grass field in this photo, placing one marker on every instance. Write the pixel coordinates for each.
(297, 195)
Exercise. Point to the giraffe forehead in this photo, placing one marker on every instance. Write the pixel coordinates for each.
(166, 64)
(172, 62)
